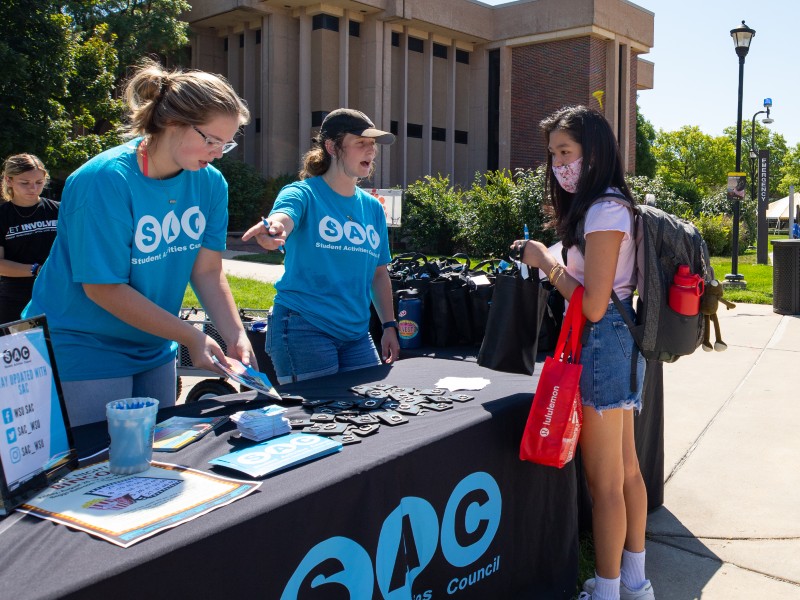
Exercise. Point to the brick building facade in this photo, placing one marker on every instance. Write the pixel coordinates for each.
(462, 84)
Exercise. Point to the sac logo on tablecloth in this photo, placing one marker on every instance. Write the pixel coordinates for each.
(408, 540)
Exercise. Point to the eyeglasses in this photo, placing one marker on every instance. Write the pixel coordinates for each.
(215, 144)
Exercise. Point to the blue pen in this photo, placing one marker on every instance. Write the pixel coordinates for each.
(266, 226)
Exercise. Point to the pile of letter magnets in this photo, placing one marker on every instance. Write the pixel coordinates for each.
(347, 421)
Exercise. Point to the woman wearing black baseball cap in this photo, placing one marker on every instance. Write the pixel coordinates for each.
(336, 244)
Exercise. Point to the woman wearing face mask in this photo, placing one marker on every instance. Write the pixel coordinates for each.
(27, 231)
(583, 166)
(337, 249)
(138, 222)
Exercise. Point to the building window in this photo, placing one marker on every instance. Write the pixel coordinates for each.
(413, 130)
(460, 137)
(393, 127)
(258, 36)
(225, 44)
(462, 56)
(493, 113)
(323, 21)
(355, 29)
(415, 45)
(439, 51)
(317, 117)
(258, 125)
(395, 39)
(241, 40)
(438, 134)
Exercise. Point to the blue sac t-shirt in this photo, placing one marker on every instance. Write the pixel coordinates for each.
(118, 226)
(331, 255)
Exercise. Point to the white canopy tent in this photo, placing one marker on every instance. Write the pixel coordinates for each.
(778, 211)
(780, 208)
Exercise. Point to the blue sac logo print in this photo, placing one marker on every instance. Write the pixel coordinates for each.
(408, 540)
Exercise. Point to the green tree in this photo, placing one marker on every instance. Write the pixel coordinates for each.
(645, 136)
(141, 27)
(36, 48)
(63, 62)
(690, 156)
(765, 138)
(789, 172)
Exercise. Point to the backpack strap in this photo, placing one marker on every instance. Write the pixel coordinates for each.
(624, 201)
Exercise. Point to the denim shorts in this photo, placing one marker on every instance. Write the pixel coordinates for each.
(300, 351)
(606, 360)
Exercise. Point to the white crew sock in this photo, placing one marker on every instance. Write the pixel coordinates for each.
(605, 589)
(632, 572)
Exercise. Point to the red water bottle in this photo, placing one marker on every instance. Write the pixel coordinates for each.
(685, 292)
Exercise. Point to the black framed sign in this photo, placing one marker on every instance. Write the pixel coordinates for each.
(36, 445)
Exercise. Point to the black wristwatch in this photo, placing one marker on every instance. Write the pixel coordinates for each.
(34, 269)
(388, 324)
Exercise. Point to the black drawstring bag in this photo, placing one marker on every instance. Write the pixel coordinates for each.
(512, 330)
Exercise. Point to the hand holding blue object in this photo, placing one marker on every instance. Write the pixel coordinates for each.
(266, 226)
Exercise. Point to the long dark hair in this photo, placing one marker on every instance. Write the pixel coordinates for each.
(601, 168)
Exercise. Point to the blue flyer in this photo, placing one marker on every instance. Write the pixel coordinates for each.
(278, 454)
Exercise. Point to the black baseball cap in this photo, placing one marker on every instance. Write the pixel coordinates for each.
(348, 120)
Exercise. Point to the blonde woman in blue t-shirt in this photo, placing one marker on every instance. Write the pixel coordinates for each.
(137, 223)
(337, 248)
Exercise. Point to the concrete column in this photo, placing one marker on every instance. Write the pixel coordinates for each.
(233, 61)
(450, 148)
(266, 97)
(196, 41)
(344, 60)
(427, 103)
(249, 80)
(625, 107)
(402, 126)
(386, 102)
(304, 83)
(504, 151)
(285, 139)
(478, 109)
(611, 97)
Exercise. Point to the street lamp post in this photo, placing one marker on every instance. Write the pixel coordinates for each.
(761, 236)
(742, 36)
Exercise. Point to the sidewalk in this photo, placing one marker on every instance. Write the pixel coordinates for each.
(249, 270)
(730, 524)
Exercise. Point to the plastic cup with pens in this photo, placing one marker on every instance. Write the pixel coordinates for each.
(131, 423)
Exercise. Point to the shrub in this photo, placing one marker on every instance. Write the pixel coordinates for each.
(432, 214)
(273, 186)
(491, 219)
(716, 231)
(246, 189)
(666, 199)
(529, 192)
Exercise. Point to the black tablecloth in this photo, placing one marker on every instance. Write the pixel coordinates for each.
(436, 507)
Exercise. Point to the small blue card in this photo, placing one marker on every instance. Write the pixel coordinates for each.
(278, 454)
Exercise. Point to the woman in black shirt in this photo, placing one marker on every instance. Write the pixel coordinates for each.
(27, 230)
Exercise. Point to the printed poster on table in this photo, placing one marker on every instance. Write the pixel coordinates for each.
(35, 444)
(126, 509)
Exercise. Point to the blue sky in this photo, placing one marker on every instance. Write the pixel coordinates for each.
(697, 70)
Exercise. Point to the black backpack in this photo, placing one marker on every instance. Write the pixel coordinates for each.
(663, 241)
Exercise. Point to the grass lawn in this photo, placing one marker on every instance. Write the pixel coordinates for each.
(758, 277)
(248, 293)
(270, 258)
